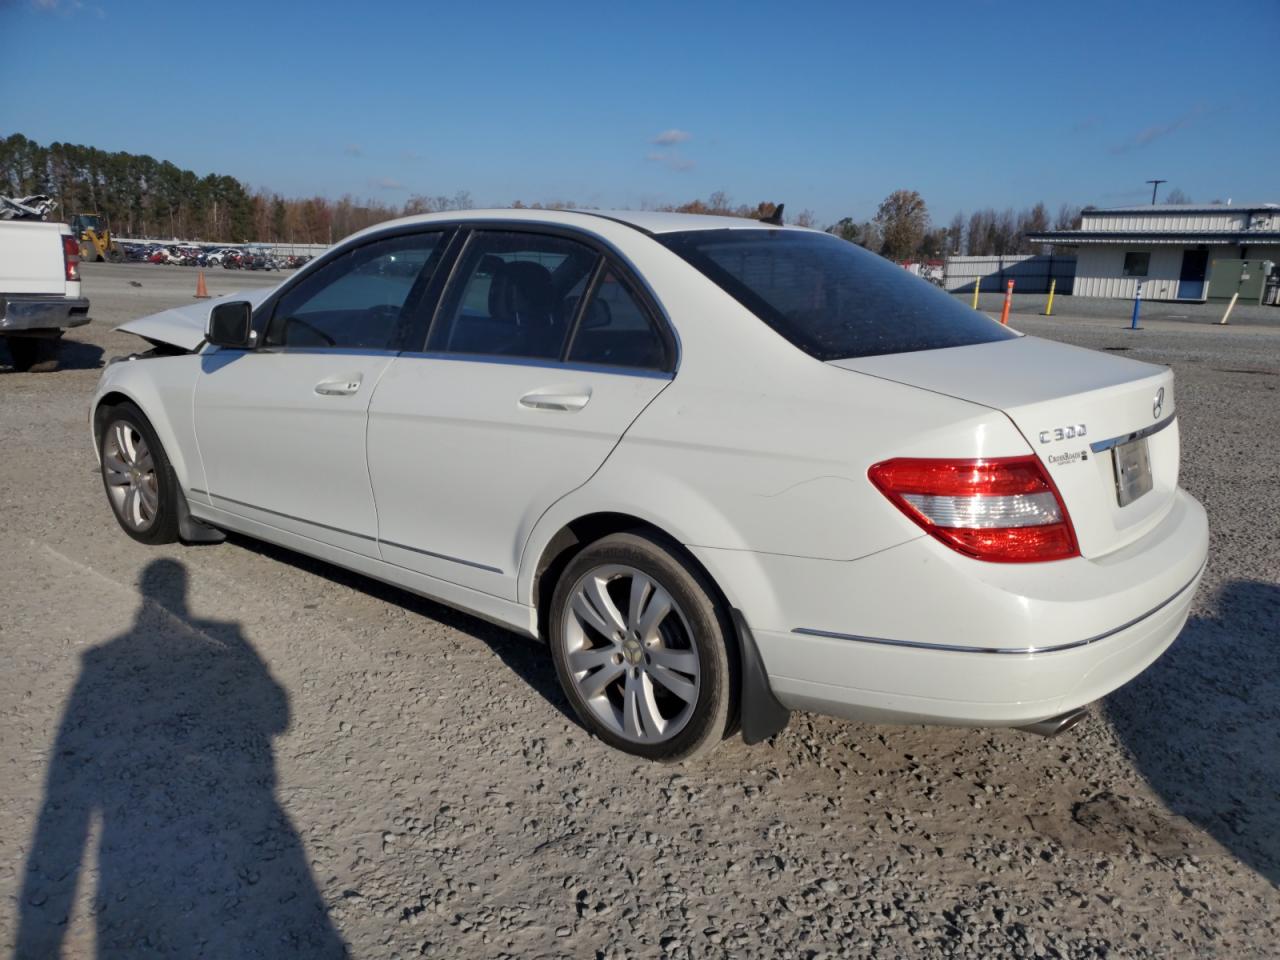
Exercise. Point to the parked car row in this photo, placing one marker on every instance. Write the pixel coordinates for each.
(230, 258)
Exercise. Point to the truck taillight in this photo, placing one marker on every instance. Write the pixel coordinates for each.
(71, 256)
(1005, 509)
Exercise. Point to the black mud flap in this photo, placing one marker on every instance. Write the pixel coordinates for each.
(762, 714)
(191, 530)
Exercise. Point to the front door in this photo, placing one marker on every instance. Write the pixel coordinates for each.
(1191, 280)
(539, 359)
(281, 429)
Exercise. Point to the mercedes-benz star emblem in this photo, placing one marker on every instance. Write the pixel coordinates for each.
(1157, 408)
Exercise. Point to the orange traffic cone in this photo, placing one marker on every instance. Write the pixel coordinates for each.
(202, 292)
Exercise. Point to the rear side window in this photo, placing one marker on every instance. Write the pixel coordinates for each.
(829, 297)
(513, 295)
(615, 329)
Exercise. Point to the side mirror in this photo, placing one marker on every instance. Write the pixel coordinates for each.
(231, 325)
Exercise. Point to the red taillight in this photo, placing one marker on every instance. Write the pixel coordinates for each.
(71, 256)
(1005, 509)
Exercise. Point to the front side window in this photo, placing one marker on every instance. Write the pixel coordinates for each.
(1136, 264)
(513, 294)
(357, 300)
(831, 298)
(615, 329)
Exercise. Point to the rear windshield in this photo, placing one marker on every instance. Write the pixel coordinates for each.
(829, 297)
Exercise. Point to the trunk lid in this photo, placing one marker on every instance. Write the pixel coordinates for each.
(1074, 407)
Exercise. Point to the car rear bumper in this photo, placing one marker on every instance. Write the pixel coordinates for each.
(907, 684)
(918, 633)
(23, 314)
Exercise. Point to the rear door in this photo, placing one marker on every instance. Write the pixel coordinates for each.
(281, 429)
(541, 354)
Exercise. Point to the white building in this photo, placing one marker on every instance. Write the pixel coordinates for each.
(1179, 251)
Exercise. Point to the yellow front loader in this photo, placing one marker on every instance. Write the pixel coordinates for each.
(95, 239)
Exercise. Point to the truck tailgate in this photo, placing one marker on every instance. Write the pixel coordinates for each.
(31, 258)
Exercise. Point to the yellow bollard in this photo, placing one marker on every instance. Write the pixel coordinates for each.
(977, 284)
(1048, 307)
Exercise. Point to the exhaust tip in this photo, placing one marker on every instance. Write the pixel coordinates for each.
(1059, 724)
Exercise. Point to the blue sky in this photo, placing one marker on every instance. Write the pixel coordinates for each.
(824, 106)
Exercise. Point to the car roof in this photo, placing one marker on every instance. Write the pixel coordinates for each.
(647, 221)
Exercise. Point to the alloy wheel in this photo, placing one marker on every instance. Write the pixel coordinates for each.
(631, 654)
(130, 472)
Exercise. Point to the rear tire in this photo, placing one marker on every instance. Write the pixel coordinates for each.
(137, 477)
(643, 648)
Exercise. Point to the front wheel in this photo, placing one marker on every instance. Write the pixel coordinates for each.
(137, 476)
(643, 649)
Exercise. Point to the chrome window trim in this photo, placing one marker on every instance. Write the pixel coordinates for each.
(1020, 651)
(456, 224)
(1104, 445)
(544, 362)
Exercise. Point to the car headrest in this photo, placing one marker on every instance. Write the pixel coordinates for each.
(521, 292)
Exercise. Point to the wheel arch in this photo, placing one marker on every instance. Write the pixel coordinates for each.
(572, 536)
(756, 712)
(160, 422)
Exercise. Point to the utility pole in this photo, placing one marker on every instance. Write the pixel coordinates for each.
(1155, 185)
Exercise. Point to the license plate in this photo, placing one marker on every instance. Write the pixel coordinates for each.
(1132, 464)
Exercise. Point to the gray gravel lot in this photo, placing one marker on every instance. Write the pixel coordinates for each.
(243, 753)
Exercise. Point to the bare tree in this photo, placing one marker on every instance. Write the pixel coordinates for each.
(955, 236)
(1068, 217)
(981, 235)
(1034, 220)
(1177, 195)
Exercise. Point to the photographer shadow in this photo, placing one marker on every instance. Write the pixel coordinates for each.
(165, 746)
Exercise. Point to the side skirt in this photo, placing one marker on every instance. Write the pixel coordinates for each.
(505, 613)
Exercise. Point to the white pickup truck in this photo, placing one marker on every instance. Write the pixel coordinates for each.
(39, 290)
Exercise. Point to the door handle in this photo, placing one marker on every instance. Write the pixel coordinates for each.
(567, 402)
(338, 388)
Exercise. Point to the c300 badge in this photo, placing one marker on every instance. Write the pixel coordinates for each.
(1070, 432)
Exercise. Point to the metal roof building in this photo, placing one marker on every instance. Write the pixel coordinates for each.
(1178, 251)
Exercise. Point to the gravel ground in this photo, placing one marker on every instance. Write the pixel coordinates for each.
(242, 753)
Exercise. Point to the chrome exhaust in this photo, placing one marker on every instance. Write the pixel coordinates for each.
(1059, 724)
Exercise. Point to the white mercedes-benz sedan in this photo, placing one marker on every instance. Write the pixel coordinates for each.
(724, 468)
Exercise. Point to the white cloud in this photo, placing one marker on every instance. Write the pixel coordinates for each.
(669, 138)
(386, 183)
(65, 8)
